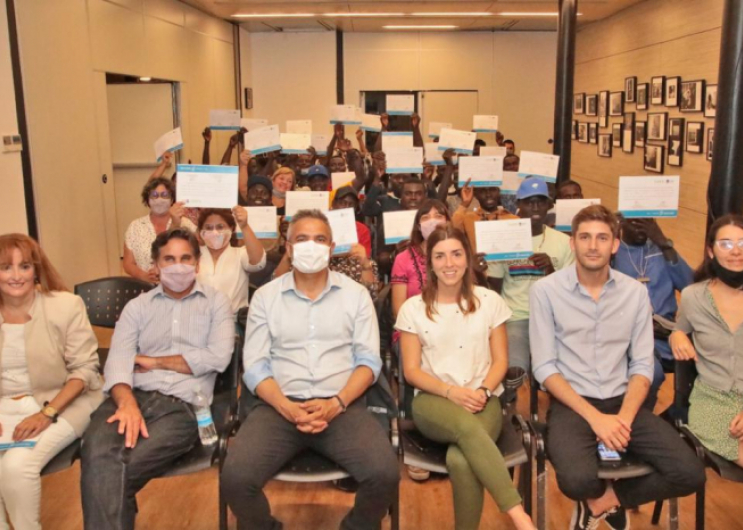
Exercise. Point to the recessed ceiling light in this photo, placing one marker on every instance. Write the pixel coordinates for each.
(453, 14)
(421, 27)
(530, 14)
(274, 15)
(363, 14)
(145, 79)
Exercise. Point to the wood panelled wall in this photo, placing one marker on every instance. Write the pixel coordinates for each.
(656, 37)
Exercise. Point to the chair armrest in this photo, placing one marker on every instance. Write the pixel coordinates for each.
(228, 430)
(692, 440)
(537, 432)
(522, 426)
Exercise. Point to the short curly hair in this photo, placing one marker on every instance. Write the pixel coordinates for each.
(152, 184)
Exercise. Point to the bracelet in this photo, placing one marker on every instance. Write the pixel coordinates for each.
(342, 404)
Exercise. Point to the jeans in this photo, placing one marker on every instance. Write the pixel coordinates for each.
(112, 474)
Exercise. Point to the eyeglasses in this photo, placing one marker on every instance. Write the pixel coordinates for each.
(163, 194)
(728, 244)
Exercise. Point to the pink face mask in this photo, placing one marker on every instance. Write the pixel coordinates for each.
(178, 277)
(429, 225)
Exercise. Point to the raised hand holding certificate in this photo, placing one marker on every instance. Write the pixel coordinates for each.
(206, 186)
(371, 122)
(400, 104)
(299, 126)
(295, 144)
(649, 196)
(343, 224)
(306, 200)
(263, 140)
(434, 128)
(253, 123)
(539, 165)
(168, 142)
(398, 226)
(485, 123)
(224, 120)
(433, 155)
(404, 160)
(484, 171)
(345, 114)
(565, 210)
(504, 240)
(262, 221)
(396, 139)
(463, 142)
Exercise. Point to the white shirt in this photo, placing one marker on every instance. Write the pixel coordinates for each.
(230, 274)
(15, 379)
(141, 234)
(455, 346)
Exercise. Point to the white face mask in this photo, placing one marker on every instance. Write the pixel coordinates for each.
(429, 225)
(159, 206)
(310, 257)
(215, 239)
(178, 277)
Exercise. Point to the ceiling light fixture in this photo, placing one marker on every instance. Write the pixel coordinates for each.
(454, 14)
(530, 14)
(421, 27)
(274, 15)
(145, 79)
(363, 14)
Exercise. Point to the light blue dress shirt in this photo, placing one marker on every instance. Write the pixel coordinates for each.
(200, 327)
(310, 347)
(595, 346)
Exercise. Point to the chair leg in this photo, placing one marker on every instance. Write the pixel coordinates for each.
(222, 511)
(657, 512)
(395, 512)
(700, 508)
(541, 492)
(525, 480)
(673, 514)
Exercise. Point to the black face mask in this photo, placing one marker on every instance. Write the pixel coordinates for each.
(730, 278)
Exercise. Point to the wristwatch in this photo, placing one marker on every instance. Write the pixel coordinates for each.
(668, 245)
(50, 412)
(488, 392)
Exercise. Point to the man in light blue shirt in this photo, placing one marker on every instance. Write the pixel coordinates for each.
(169, 343)
(592, 349)
(311, 351)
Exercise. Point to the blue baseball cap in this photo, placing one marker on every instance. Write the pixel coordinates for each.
(317, 170)
(532, 187)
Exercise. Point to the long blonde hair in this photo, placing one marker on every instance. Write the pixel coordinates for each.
(46, 276)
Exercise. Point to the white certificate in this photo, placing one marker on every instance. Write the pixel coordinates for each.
(539, 165)
(305, 200)
(565, 210)
(649, 196)
(342, 178)
(345, 114)
(495, 150)
(263, 140)
(295, 144)
(400, 104)
(504, 240)
(371, 122)
(224, 120)
(396, 139)
(404, 160)
(206, 186)
(462, 142)
(262, 221)
(433, 155)
(398, 226)
(170, 141)
(9, 422)
(320, 142)
(343, 225)
(252, 123)
(299, 126)
(482, 123)
(434, 128)
(485, 171)
(511, 183)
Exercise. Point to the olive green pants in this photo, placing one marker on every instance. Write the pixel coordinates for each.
(473, 460)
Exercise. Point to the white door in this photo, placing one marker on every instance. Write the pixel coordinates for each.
(455, 107)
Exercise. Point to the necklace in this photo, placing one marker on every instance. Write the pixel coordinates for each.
(642, 268)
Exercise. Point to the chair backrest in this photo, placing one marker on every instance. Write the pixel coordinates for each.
(105, 298)
(685, 373)
(383, 306)
(229, 380)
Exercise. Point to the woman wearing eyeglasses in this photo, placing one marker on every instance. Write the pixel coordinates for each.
(159, 196)
(712, 311)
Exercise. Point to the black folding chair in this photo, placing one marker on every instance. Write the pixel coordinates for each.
(383, 307)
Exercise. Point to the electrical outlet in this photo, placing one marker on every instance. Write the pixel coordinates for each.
(12, 143)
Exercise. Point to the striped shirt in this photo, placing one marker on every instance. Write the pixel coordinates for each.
(199, 327)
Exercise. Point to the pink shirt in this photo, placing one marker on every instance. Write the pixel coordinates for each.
(410, 269)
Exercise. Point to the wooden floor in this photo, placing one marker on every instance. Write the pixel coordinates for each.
(190, 503)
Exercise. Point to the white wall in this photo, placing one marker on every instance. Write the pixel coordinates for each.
(12, 205)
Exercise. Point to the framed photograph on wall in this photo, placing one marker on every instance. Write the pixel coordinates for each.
(710, 101)
(574, 130)
(603, 121)
(603, 108)
(604, 147)
(672, 91)
(692, 96)
(657, 89)
(592, 105)
(616, 103)
(578, 100)
(695, 137)
(593, 133)
(710, 143)
(657, 126)
(630, 88)
(583, 132)
(642, 96)
(628, 132)
(616, 133)
(675, 141)
(640, 131)
(654, 158)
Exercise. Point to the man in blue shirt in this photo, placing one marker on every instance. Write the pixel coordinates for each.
(648, 256)
(592, 349)
(311, 351)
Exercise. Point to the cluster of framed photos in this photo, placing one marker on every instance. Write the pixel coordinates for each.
(676, 134)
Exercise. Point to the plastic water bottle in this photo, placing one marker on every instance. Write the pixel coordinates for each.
(207, 430)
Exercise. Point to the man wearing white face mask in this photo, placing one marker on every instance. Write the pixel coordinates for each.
(311, 350)
(169, 343)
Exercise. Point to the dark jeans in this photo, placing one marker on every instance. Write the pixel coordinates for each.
(266, 442)
(112, 474)
(571, 445)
